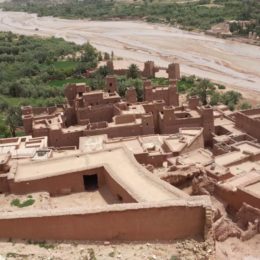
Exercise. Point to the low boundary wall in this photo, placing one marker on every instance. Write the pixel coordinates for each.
(136, 221)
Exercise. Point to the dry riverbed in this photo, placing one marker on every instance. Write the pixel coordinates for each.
(234, 64)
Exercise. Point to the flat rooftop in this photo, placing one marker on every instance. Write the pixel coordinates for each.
(254, 188)
(228, 124)
(248, 147)
(199, 156)
(245, 167)
(245, 179)
(230, 158)
(119, 163)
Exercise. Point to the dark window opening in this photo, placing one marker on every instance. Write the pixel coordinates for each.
(119, 198)
(90, 182)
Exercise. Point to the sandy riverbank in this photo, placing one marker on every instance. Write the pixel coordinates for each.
(234, 64)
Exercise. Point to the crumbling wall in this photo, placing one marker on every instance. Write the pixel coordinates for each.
(248, 214)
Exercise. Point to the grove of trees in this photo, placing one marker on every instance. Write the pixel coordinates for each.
(29, 65)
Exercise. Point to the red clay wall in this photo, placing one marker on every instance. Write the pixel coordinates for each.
(96, 114)
(236, 199)
(120, 131)
(153, 223)
(4, 186)
(249, 125)
(71, 183)
(169, 127)
(198, 143)
(58, 138)
(155, 160)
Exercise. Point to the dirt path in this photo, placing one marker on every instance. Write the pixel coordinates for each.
(234, 64)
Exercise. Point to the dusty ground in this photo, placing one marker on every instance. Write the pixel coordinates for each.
(234, 64)
(232, 249)
(72, 250)
(187, 249)
(42, 200)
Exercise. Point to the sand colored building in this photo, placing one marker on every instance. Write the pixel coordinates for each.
(131, 194)
(149, 70)
(249, 121)
(139, 162)
(99, 112)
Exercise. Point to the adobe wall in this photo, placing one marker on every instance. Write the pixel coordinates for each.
(4, 186)
(54, 185)
(59, 138)
(249, 125)
(155, 160)
(96, 114)
(173, 125)
(71, 183)
(196, 144)
(253, 111)
(155, 108)
(119, 131)
(134, 222)
(120, 72)
(70, 116)
(116, 189)
(236, 199)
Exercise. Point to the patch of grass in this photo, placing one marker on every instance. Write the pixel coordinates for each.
(62, 83)
(10, 254)
(160, 81)
(174, 257)
(42, 244)
(19, 204)
(221, 86)
(65, 65)
(91, 253)
(112, 254)
(16, 255)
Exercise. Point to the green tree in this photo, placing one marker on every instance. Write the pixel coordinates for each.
(89, 55)
(231, 98)
(106, 56)
(245, 105)
(133, 71)
(202, 88)
(4, 131)
(13, 119)
(214, 99)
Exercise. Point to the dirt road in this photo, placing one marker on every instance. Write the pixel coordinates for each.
(225, 61)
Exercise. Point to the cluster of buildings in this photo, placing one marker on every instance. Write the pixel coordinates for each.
(150, 157)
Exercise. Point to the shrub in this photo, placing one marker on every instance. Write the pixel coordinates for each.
(245, 105)
(19, 204)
